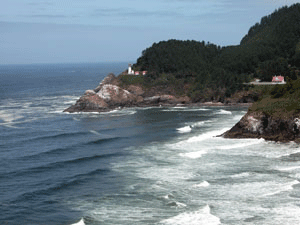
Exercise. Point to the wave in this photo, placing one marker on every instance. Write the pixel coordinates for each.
(193, 155)
(81, 222)
(168, 196)
(207, 135)
(242, 145)
(283, 188)
(201, 123)
(185, 129)
(202, 216)
(56, 165)
(9, 117)
(289, 168)
(240, 175)
(59, 186)
(104, 140)
(177, 204)
(120, 112)
(222, 111)
(202, 184)
(56, 136)
(184, 109)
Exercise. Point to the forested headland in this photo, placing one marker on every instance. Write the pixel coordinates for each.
(207, 72)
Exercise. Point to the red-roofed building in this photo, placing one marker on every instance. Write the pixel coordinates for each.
(278, 79)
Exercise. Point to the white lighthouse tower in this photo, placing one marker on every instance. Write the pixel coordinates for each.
(130, 71)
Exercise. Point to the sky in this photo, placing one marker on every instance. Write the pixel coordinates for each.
(80, 31)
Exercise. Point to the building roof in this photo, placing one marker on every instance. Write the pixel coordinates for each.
(278, 79)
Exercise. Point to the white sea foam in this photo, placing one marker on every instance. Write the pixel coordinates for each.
(184, 109)
(185, 129)
(168, 196)
(237, 117)
(240, 175)
(9, 116)
(284, 187)
(193, 155)
(202, 216)
(81, 222)
(222, 111)
(207, 135)
(202, 184)
(177, 204)
(289, 168)
(201, 123)
(242, 145)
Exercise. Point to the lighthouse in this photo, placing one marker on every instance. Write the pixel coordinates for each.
(130, 71)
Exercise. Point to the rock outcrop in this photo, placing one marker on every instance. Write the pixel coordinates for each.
(89, 102)
(108, 96)
(256, 124)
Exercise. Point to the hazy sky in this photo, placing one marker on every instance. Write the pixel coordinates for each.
(59, 31)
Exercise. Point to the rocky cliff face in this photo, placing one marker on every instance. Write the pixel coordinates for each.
(108, 96)
(259, 125)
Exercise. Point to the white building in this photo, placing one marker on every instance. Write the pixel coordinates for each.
(130, 71)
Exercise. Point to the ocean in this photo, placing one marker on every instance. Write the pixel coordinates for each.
(157, 165)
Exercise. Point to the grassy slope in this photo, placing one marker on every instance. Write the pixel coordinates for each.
(280, 100)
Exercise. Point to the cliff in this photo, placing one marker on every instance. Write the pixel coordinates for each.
(273, 128)
(275, 117)
(108, 95)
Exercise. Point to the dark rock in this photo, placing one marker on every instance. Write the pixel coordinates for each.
(89, 102)
(137, 90)
(108, 95)
(260, 125)
(152, 100)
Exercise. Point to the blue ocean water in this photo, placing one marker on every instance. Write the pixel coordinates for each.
(132, 166)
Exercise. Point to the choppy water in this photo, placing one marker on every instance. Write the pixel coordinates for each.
(132, 166)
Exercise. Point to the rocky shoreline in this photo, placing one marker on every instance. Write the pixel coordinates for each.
(108, 95)
(256, 124)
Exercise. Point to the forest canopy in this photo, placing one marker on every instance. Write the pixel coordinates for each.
(271, 47)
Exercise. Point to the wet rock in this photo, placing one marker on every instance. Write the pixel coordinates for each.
(89, 102)
(260, 125)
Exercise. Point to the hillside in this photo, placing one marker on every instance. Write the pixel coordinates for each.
(206, 72)
(275, 117)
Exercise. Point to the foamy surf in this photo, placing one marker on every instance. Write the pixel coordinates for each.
(177, 204)
(289, 168)
(242, 145)
(193, 155)
(283, 188)
(203, 216)
(185, 129)
(240, 175)
(81, 222)
(202, 184)
(222, 111)
(184, 109)
(207, 135)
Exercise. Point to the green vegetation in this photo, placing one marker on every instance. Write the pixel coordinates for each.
(129, 79)
(280, 100)
(211, 72)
